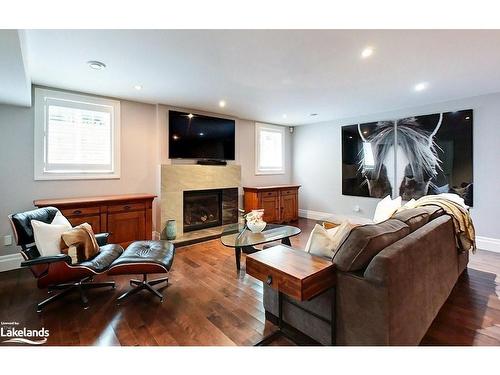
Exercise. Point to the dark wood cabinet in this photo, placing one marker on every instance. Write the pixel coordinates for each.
(127, 218)
(280, 203)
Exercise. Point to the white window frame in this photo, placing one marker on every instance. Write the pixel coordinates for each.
(259, 170)
(42, 98)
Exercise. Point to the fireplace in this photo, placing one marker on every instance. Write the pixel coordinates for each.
(209, 208)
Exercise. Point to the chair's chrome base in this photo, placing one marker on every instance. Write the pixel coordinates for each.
(144, 284)
(81, 286)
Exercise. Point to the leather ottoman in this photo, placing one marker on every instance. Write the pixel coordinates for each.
(144, 257)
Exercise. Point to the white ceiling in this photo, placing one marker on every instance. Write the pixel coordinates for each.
(263, 74)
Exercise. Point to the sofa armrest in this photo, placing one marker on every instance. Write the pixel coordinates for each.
(102, 238)
(47, 260)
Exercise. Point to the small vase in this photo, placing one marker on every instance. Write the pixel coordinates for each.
(171, 229)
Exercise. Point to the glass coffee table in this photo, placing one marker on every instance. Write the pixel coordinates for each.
(244, 241)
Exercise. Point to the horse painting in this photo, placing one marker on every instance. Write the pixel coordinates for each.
(399, 158)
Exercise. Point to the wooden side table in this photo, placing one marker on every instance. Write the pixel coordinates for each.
(294, 273)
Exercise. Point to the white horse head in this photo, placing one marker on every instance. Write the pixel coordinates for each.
(403, 158)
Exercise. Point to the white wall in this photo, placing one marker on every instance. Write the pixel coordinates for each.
(143, 149)
(18, 188)
(318, 162)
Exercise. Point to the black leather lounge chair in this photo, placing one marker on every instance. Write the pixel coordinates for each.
(57, 272)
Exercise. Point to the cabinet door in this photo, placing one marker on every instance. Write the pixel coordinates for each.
(288, 207)
(126, 227)
(80, 215)
(94, 221)
(270, 204)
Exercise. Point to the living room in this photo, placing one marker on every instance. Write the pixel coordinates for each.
(264, 186)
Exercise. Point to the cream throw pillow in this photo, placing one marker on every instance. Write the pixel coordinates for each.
(48, 236)
(325, 242)
(412, 203)
(386, 208)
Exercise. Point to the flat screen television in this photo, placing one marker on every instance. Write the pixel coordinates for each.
(192, 136)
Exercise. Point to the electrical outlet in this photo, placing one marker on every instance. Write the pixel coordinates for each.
(7, 240)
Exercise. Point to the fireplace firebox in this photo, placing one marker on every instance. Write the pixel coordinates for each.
(209, 208)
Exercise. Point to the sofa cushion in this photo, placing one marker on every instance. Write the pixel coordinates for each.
(433, 211)
(414, 217)
(366, 241)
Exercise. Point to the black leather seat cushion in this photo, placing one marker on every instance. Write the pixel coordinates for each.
(102, 261)
(144, 254)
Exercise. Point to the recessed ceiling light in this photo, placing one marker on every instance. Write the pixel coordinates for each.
(284, 115)
(175, 137)
(313, 114)
(421, 86)
(190, 115)
(96, 65)
(201, 134)
(367, 52)
(222, 103)
(138, 87)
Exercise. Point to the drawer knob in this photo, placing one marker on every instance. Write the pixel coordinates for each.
(269, 280)
(77, 212)
(127, 207)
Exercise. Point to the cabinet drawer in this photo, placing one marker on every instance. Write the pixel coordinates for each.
(268, 194)
(124, 207)
(267, 275)
(82, 211)
(288, 192)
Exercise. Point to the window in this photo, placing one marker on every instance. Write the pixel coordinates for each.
(76, 136)
(269, 149)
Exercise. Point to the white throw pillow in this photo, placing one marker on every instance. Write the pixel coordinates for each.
(386, 208)
(48, 236)
(324, 242)
(319, 242)
(59, 219)
(412, 203)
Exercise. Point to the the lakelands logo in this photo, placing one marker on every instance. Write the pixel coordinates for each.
(10, 332)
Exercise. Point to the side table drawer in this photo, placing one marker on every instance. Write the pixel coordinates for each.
(265, 274)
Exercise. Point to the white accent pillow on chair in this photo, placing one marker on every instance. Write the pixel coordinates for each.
(386, 208)
(48, 236)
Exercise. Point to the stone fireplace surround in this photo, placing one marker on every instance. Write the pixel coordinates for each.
(178, 178)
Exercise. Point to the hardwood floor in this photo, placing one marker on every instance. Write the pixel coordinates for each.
(209, 303)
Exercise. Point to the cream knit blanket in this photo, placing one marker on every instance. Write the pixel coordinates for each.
(464, 228)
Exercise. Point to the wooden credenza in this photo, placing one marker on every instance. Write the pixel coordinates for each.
(280, 203)
(127, 218)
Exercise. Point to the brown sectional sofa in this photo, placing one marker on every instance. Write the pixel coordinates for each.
(392, 279)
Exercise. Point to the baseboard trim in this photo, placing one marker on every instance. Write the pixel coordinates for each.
(319, 215)
(487, 243)
(483, 243)
(10, 262)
